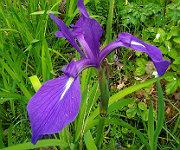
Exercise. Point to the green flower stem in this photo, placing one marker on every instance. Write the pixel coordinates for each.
(104, 99)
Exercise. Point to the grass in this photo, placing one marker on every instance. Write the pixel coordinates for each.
(30, 54)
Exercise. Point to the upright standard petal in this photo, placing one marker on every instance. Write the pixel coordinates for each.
(54, 106)
(88, 33)
(129, 41)
(65, 32)
(82, 8)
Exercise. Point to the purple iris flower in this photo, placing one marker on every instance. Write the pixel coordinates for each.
(57, 102)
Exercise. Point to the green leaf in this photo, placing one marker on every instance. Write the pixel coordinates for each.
(151, 127)
(120, 104)
(1, 132)
(142, 106)
(47, 68)
(177, 61)
(109, 22)
(43, 11)
(89, 141)
(35, 82)
(128, 126)
(160, 113)
(29, 145)
(139, 71)
(83, 109)
(38, 12)
(177, 40)
(114, 98)
(171, 86)
(131, 112)
(118, 96)
(10, 136)
(174, 32)
(144, 115)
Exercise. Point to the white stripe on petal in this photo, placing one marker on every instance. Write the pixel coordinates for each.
(67, 86)
(136, 43)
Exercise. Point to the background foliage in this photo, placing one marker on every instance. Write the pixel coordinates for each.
(28, 48)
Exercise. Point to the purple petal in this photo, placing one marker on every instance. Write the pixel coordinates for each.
(109, 48)
(161, 66)
(154, 53)
(75, 67)
(54, 106)
(88, 31)
(59, 34)
(65, 32)
(129, 41)
(82, 8)
(86, 49)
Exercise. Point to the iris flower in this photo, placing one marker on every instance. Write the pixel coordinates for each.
(57, 102)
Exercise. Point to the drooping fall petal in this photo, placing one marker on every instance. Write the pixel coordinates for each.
(129, 41)
(54, 106)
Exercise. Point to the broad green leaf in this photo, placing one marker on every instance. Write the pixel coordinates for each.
(160, 113)
(114, 98)
(118, 96)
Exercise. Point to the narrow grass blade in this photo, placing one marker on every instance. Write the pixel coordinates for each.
(1, 132)
(15, 77)
(151, 127)
(133, 129)
(10, 129)
(89, 141)
(46, 61)
(29, 145)
(81, 117)
(116, 106)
